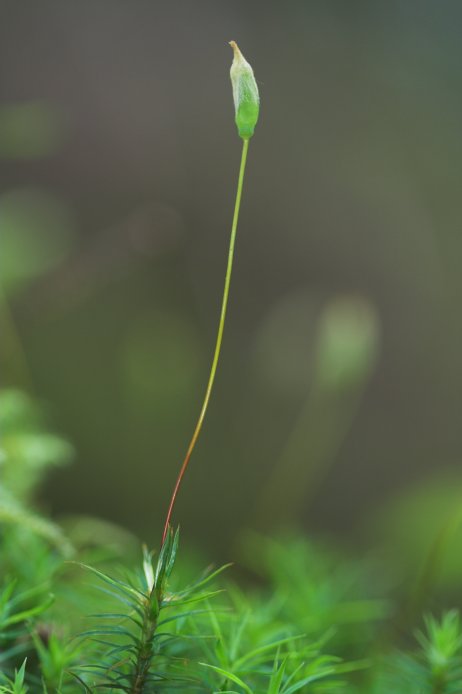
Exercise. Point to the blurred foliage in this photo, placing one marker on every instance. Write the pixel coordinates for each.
(27, 449)
(347, 343)
(301, 617)
(346, 339)
(35, 235)
(317, 588)
(421, 527)
(435, 667)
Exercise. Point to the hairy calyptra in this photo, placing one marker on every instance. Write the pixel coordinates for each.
(245, 94)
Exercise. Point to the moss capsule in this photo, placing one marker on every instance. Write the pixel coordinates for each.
(245, 94)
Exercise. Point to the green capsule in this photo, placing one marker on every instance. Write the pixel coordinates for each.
(245, 94)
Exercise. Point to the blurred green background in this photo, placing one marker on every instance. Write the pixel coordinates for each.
(340, 382)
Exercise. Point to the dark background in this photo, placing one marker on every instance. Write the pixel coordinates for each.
(118, 167)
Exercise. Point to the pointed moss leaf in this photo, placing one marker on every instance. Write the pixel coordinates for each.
(86, 688)
(172, 554)
(195, 598)
(110, 631)
(117, 615)
(7, 593)
(25, 596)
(277, 677)
(129, 602)
(203, 581)
(118, 585)
(263, 650)
(176, 617)
(164, 560)
(306, 680)
(27, 614)
(147, 569)
(229, 676)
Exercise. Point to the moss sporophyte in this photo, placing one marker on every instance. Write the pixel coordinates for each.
(247, 107)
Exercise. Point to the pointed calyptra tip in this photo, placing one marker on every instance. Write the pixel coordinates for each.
(236, 51)
(245, 94)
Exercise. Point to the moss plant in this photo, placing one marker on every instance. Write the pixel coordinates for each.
(308, 620)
